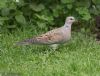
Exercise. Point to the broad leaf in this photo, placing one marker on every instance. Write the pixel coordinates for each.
(12, 6)
(3, 3)
(4, 18)
(37, 8)
(20, 19)
(5, 11)
(1, 22)
(44, 17)
(69, 6)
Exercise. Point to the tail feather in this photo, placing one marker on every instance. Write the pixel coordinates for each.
(25, 42)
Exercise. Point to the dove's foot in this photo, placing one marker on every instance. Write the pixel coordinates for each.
(54, 46)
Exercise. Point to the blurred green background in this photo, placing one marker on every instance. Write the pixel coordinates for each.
(45, 14)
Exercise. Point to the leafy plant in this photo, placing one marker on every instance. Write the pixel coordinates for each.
(43, 13)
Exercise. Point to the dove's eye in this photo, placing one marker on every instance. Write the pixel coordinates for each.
(71, 18)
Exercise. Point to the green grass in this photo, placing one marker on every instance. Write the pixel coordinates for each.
(79, 57)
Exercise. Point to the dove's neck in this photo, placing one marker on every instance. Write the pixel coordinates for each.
(67, 25)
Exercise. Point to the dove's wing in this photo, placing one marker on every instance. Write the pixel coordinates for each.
(52, 37)
(49, 38)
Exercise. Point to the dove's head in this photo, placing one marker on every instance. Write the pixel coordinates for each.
(70, 20)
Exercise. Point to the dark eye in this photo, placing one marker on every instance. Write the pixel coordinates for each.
(71, 19)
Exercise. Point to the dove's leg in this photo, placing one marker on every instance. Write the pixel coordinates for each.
(54, 46)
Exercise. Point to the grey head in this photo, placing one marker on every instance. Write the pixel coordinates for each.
(70, 20)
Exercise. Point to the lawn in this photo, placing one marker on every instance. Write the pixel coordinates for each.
(79, 57)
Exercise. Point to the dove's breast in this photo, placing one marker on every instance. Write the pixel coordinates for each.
(66, 34)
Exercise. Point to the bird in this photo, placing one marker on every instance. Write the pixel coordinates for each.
(54, 37)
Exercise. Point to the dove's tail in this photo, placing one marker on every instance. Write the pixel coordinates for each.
(25, 42)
